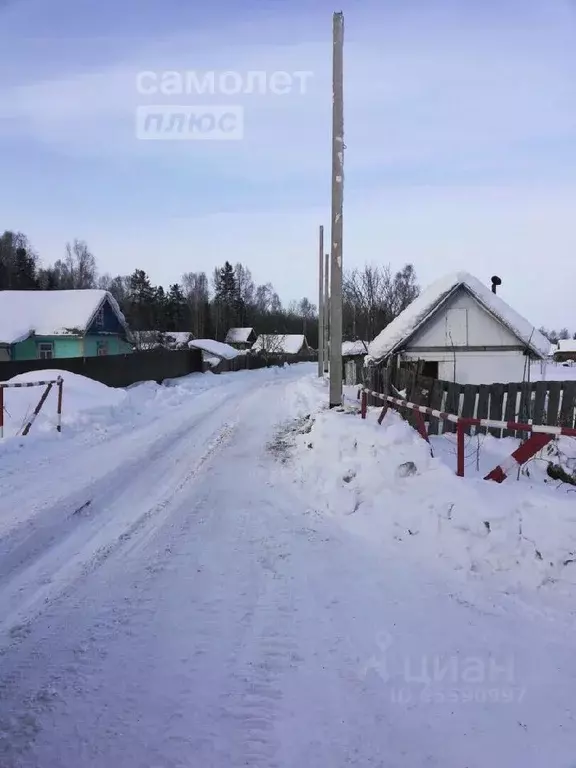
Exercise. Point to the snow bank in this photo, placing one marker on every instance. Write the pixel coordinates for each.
(215, 348)
(422, 307)
(382, 483)
(80, 395)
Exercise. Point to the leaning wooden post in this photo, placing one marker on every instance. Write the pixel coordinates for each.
(364, 404)
(60, 383)
(37, 409)
(460, 432)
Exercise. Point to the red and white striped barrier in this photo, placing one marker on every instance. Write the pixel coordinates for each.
(48, 384)
(542, 434)
(15, 385)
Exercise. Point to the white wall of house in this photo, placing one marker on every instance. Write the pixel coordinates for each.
(475, 367)
(460, 324)
(463, 322)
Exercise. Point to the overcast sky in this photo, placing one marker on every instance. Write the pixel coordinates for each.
(460, 133)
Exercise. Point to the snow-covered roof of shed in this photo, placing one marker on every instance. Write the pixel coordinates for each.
(215, 348)
(352, 348)
(50, 313)
(566, 345)
(238, 335)
(402, 327)
(287, 343)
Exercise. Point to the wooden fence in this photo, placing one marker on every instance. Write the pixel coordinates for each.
(552, 403)
(252, 362)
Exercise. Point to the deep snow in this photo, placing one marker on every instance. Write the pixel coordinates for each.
(221, 572)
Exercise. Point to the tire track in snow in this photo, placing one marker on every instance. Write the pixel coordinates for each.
(39, 574)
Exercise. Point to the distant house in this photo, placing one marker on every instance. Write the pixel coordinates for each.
(240, 338)
(566, 350)
(353, 354)
(459, 330)
(354, 348)
(56, 324)
(145, 340)
(213, 352)
(281, 344)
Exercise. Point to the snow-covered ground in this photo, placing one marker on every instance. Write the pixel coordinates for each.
(221, 572)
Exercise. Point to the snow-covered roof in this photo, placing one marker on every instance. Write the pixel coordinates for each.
(566, 345)
(351, 348)
(287, 343)
(401, 328)
(50, 313)
(238, 335)
(214, 348)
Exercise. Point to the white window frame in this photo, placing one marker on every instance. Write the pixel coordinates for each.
(99, 318)
(46, 350)
(101, 348)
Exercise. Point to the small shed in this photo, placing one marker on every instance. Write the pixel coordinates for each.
(240, 338)
(213, 352)
(282, 344)
(460, 330)
(353, 354)
(566, 350)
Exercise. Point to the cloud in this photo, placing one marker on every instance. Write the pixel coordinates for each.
(415, 98)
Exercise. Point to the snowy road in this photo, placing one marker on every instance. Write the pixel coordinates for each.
(177, 599)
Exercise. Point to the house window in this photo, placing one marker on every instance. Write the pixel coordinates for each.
(45, 351)
(99, 318)
(101, 348)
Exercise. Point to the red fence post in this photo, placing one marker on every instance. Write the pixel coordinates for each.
(59, 411)
(364, 404)
(460, 448)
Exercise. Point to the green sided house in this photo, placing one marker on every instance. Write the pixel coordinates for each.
(49, 325)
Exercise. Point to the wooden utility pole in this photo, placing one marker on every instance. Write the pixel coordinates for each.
(326, 312)
(337, 204)
(321, 303)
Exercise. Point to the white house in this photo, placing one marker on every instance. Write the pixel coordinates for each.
(463, 332)
(281, 344)
(241, 338)
(566, 350)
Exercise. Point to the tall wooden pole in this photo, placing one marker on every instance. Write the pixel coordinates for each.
(337, 204)
(321, 302)
(326, 312)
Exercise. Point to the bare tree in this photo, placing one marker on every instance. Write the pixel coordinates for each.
(197, 295)
(373, 297)
(308, 312)
(78, 268)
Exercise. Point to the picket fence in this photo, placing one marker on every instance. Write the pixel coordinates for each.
(552, 403)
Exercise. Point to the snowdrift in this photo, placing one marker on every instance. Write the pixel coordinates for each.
(80, 395)
(383, 484)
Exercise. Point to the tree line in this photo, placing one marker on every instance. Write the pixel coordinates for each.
(208, 305)
(555, 336)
